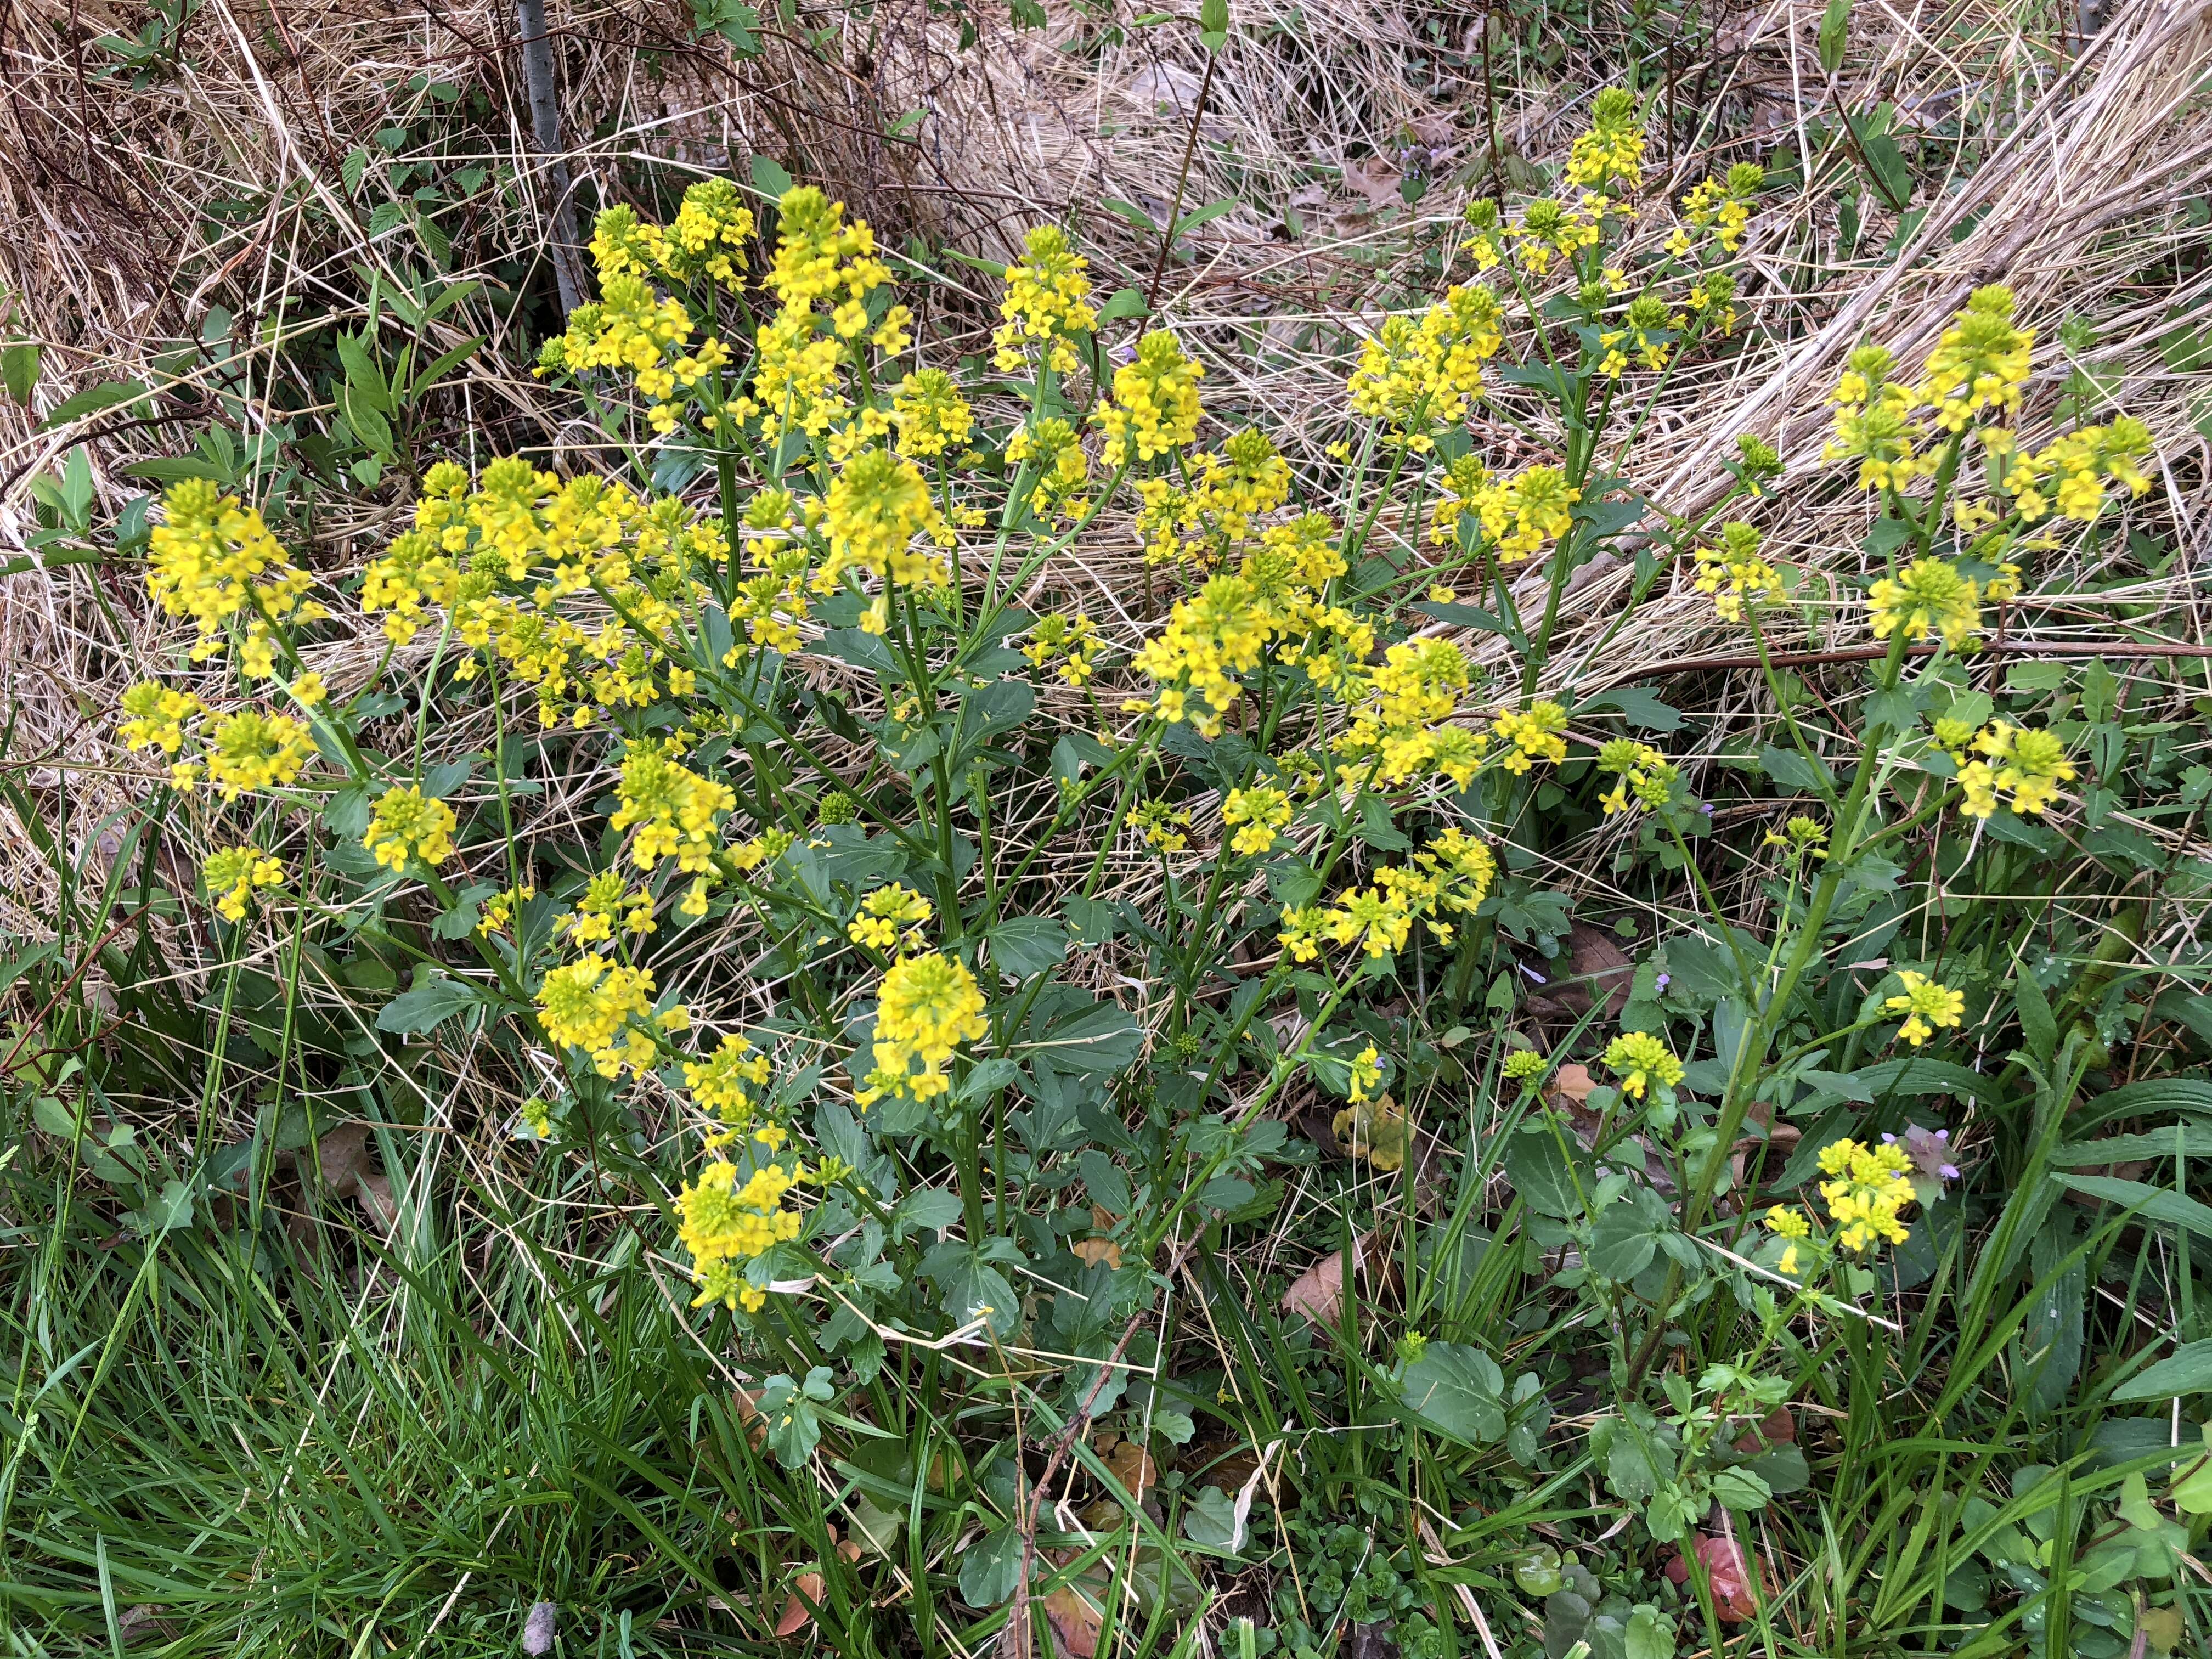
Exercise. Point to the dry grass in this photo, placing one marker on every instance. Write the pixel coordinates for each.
(214, 188)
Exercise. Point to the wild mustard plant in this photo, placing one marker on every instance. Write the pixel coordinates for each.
(878, 843)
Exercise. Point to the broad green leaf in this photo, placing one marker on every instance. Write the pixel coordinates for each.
(2151, 1203)
(428, 1004)
(1458, 1391)
(2188, 1369)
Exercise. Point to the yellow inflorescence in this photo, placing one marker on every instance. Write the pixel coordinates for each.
(1537, 732)
(1155, 407)
(1928, 597)
(1868, 1188)
(407, 825)
(672, 808)
(1639, 1060)
(723, 1223)
(1047, 303)
(1734, 574)
(1258, 814)
(1414, 375)
(2022, 767)
(1926, 1006)
(928, 1006)
(213, 559)
(602, 1007)
(232, 874)
(251, 750)
(890, 919)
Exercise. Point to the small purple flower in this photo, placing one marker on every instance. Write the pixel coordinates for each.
(1663, 981)
(1706, 807)
(1929, 1150)
(1123, 355)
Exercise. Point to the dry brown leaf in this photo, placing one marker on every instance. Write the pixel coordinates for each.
(799, 1611)
(1777, 1428)
(1594, 967)
(1076, 1609)
(1133, 1465)
(1729, 1570)
(1376, 181)
(1092, 1251)
(342, 1157)
(1318, 1292)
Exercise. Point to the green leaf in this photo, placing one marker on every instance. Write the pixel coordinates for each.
(1541, 1173)
(172, 1208)
(1913, 1075)
(2037, 1023)
(2184, 1139)
(1207, 214)
(769, 177)
(428, 1004)
(990, 1568)
(1210, 1519)
(1791, 770)
(2151, 1203)
(2187, 1370)
(1458, 1391)
(1213, 24)
(792, 1413)
(1022, 945)
(1835, 32)
(929, 1209)
(94, 398)
(1645, 711)
(19, 371)
(1625, 1234)
(1103, 1037)
(1125, 301)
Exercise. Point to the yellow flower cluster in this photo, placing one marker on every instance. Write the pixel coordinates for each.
(724, 1224)
(1734, 574)
(931, 417)
(252, 750)
(2025, 763)
(1640, 1059)
(928, 1004)
(1522, 512)
(1869, 1186)
(1258, 814)
(1217, 633)
(607, 902)
(673, 807)
(1874, 421)
(1451, 876)
(1550, 229)
(1611, 152)
(1155, 407)
(407, 825)
(877, 504)
(1414, 375)
(1927, 598)
(213, 559)
(819, 258)
(1058, 469)
(890, 918)
(1537, 732)
(1980, 363)
(1720, 204)
(154, 716)
(1926, 1006)
(1644, 775)
(591, 1004)
(231, 874)
(726, 1083)
(2069, 472)
(1069, 642)
(1400, 716)
(1047, 303)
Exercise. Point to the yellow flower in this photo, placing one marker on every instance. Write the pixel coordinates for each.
(1930, 596)
(1981, 362)
(1734, 574)
(1612, 151)
(1415, 374)
(213, 559)
(1537, 733)
(673, 807)
(1048, 301)
(819, 256)
(154, 716)
(1871, 1185)
(1259, 813)
(231, 874)
(589, 1005)
(406, 824)
(1155, 407)
(1925, 1006)
(2027, 763)
(877, 505)
(252, 751)
(1646, 776)
(1522, 512)
(726, 1082)
(928, 1004)
(930, 414)
(890, 916)
(1638, 1059)
(1072, 640)
(723, 1225)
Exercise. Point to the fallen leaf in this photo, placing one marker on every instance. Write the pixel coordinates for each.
(1133, 1465)
(1777, 1428)
(1373, 1129)
(1318, 1292)
(1078, 1615)
(1730, 1572)
(342, 1157)
(1594, 967)
(799, 1611)
(1092, 1251)
(1378, 182)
